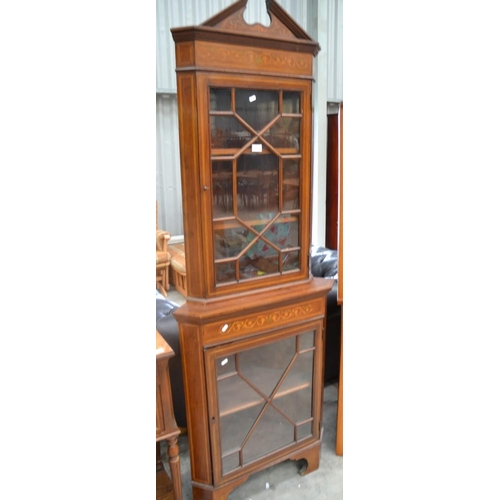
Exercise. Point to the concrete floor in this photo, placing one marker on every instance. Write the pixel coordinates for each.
(282, 481)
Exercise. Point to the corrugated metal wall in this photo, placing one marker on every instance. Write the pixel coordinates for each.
(168, 173)
(173, 14)
(335, 50)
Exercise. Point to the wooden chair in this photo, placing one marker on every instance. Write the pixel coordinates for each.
(178, 268)
(163, 258)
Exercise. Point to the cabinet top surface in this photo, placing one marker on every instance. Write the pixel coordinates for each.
(245, 132)
(162, 348)
(245, 303)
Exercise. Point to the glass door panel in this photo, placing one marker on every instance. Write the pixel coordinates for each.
(256, 162)
(227, 132)
(291, 185)
(264, 398)
(285, 135)
(231, 237)
(222, 188)
(257, 107)
(225, 272)
(272, 432)
(290, 261)
(220, 99)
(257, 186)
(291, 103)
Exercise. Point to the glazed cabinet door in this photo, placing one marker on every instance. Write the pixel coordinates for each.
(262, 398)
(258, 174)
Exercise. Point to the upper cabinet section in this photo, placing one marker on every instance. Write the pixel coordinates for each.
(244, 96)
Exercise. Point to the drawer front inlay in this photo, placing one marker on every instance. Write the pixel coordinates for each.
(263, 321)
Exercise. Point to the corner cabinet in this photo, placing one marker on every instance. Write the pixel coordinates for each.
(252, 329)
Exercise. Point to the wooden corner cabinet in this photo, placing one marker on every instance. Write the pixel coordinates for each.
(252, 329)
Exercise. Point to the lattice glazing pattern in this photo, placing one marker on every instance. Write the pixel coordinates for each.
(256, 161)
(265, 399)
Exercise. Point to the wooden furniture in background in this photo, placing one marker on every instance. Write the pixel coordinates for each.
(166, 427)
(340, 291)
(178, 268)
(162, 258)
(332, 183)
(252, 329)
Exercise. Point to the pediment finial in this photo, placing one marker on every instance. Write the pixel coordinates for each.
(254, 13)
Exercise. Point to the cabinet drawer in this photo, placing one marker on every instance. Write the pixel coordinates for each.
(253, 324)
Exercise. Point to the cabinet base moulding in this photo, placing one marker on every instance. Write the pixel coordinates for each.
(311, 454)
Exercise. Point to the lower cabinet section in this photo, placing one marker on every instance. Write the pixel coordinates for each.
(256, 399)
(263, 400)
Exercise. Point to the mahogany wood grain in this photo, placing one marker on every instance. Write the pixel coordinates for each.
(191, 187)
(332, 183)
(340, 289)
(273, 306)
(340, 296)
(208, 311)
(193, 370)
(340, 410)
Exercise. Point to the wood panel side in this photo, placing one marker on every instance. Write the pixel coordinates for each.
(318, 376)
(332, 183)
(190, 178)
(306, 178)
(184, 54)
(340, 408)
(205, 217)
(193, 370)
(340, 292)
(340, 289)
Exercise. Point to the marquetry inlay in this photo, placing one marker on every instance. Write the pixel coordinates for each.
(267, 319)
(235, 57)
(253, 324)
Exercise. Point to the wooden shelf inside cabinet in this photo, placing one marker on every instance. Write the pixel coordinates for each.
(231, 153)
(237, 395)
(233, 223)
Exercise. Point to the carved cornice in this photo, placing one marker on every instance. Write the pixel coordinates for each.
(229, 26)
(252, 39)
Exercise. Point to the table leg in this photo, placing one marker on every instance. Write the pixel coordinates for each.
(175, 466)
